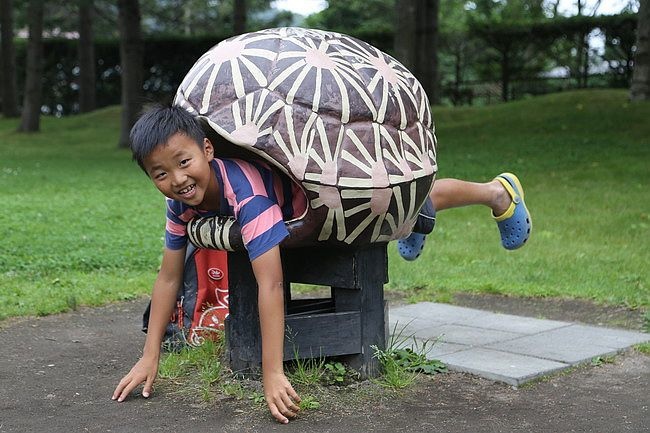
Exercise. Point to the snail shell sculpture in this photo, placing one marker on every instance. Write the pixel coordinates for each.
(347, 122)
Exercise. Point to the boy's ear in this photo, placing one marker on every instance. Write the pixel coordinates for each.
(208, 149)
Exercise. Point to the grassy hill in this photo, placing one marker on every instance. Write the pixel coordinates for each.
(584, 159)
(82, 225)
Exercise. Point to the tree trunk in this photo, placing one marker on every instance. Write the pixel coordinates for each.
(31, 116)
(427, 44)
(505, 74)
(580, 47)
(187, 21)
(585, 61)
(640, 89)
(9, 98)
(405, 13)
(86, 57)
(456, 99)
(131, 53)
(416, 40)
(239, 18)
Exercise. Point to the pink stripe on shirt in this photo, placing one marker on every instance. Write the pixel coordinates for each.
(254, 178)
(188, 215)
(261, 223)
(228, 192)
(175, 228)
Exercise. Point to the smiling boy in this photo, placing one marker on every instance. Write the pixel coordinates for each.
(171, 148)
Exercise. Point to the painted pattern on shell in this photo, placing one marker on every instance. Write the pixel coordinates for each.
(345, 120)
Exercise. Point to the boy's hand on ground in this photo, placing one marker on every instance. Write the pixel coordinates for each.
(280, 397)
(144, 370)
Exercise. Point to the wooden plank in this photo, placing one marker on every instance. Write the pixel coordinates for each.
(321, 266)
(322, 335)
(331, 266)
(243, 338)
(371, 267)
(310, 306)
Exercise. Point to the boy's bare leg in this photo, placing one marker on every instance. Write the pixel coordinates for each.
(450, 193)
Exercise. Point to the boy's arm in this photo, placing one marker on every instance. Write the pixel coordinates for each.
(163, 298)
(279, 394)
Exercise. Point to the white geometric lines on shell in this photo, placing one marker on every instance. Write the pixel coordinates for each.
(344, 119)
(375, 208)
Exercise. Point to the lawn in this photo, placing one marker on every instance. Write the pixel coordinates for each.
(82, 225)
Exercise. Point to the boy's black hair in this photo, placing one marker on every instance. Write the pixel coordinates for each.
(157, 125)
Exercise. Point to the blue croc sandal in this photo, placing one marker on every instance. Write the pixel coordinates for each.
(515, 223)
(411, 247)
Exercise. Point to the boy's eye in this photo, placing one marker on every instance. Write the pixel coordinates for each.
(159, 176)
(184, 162)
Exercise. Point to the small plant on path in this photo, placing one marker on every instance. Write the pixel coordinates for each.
(401, 364)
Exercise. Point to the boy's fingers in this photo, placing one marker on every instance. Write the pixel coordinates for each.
(294, 395)
(148, 387)
(119, 388)
(286, 406)
(127, 390)
(277, 414)
(290, 405)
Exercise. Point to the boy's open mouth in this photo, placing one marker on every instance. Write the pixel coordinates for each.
(188, 190)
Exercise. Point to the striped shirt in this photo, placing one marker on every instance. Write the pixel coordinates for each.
(258, 197)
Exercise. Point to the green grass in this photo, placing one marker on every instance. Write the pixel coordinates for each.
(81, 224)
(583, 159)
(196, 368)
(404, 360)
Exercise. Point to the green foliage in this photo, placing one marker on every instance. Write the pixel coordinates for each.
(196, 367)
(233, 388)
(158, 17)
(202, 361)
(643, 348)
(309, 402)
(597, 361)
(347, 16)
(315, 371)
(410, 360)
(404, 359)
(336, 372)
(257, 397)
(163, 73)
(201, 17)
(307, 371)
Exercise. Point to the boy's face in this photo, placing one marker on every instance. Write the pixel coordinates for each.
(180, 169)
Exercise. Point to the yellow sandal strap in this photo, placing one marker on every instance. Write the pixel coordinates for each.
(513, 195)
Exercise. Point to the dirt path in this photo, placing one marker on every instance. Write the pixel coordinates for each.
(57, 374)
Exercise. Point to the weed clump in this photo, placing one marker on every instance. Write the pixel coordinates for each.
(402, 363)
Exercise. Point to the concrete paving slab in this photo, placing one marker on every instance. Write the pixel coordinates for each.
(451, 314)
(439, 348)
(510, 368)
(572, 344)
(607, 337)
(438, 312)
(503, 347)
(510, 323)
(410, 325)
(432, 349)
(468, 335)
